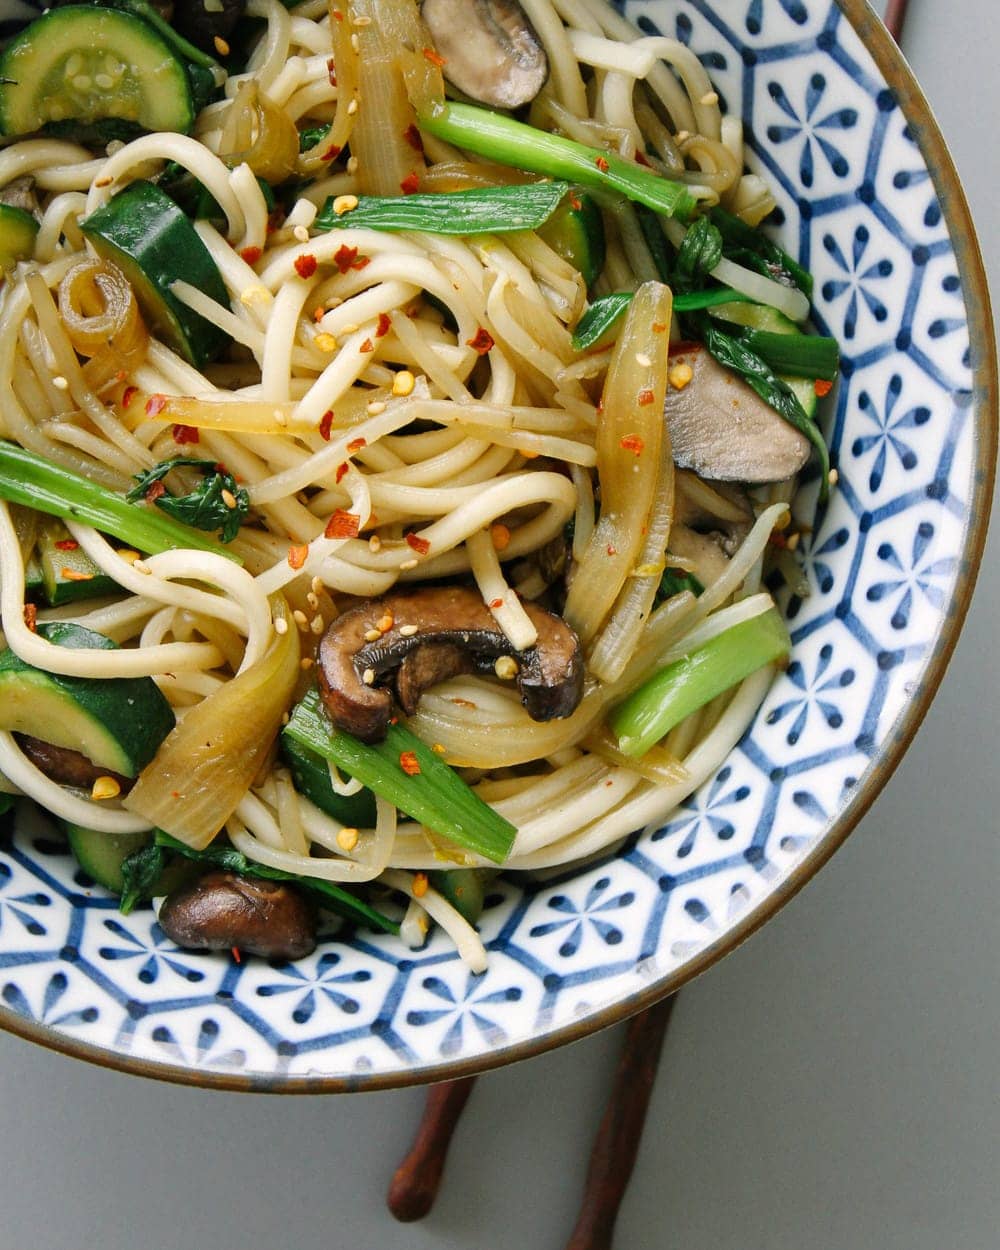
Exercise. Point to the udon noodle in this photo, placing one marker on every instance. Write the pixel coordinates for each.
(425, 387)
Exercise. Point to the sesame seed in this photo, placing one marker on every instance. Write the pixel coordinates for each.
(105, 788)
(372, 635)
(347, 839)
(375, 407)
(228, 498)
(317, 624)
(710, 97)
(301, 233)
(281, 626)
(375, 543)
(355, 45)
(352, 108)
(60, 383)
(833, 477)
(793, 541)
(403, 383)
(299, 617)
(352, 165)
(368, 676)
(306, 663)
(313, 600)
(344, 204)
(642, 359)
(362, 19)
(317, 585)
(407, 565)
(407, 631)
(506, 667)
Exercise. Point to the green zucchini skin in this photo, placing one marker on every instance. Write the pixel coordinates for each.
(575, 231)
(101, 856)
(118, 723)
(311, 777)
(17, 236)
(83, 64)
(68, 576)
(144, 233)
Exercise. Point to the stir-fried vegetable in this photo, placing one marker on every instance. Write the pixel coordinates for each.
(486, 210)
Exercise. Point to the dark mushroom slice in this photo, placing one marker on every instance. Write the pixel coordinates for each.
(435, 633)
(222, 910)
(490, 50)
(723, 430)
(67, 767)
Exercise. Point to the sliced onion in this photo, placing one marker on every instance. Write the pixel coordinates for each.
(101, 317)
(208, 763)
(259, 134)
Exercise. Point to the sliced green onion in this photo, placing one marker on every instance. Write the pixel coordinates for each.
(31, 480)
(227, 858)
(483, 210)
(801, 355)
(513, 143)
(435, 795)
(688, 684)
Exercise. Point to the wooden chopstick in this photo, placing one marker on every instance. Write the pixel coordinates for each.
(416, 1181)
(895, 17)
(616, 1145)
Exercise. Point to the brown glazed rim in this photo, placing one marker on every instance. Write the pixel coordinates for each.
(984, 368)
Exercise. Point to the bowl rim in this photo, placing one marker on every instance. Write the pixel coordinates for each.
(895, 70)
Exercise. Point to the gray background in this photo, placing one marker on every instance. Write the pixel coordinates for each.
(830, 1086)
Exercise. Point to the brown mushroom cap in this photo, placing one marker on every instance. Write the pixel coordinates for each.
(66, 766)
(222, 910)
(490, 49)
(454, 633)
(723, 430)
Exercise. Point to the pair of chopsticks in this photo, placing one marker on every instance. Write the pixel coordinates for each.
(417, 1179)
(616, 1146)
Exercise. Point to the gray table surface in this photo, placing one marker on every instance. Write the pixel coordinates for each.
(830, 1086)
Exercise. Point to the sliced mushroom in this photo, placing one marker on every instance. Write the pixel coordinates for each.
(723, 430)
(20, 194)
(67, 767)
(222, 910)
(490, 49)
(435, 633)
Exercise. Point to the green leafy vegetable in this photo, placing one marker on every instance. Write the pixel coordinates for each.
(407, 773)
(801, 355)
(31, 480)
(336, 898)
(674, 581)
(484, 210)
(607, 310)
(514, 143)
(218, 503)
(140, 872)
(698, 255)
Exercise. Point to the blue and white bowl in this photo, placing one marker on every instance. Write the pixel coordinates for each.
(871, 203)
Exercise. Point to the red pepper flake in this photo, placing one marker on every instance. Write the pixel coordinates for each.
(435, 58)
(31, 617)
(494, 604)
(346, 258)
(410, 184)
(67, 544)
(612, 550)
(659, 327)
(155, 491)
(305, 265)
(645, 397)
(186, 434)
(642, 159)
(155, 404)
(337, 15)
(575, 202)
(356, 444)
(297, 555)
(236, 953)
(383, 326)
(409, 763)
(128, 394)
(342, 525)
(420, 545)
(602, 164)
(331, 69)
(777, 539)
(250, 254)
(332, 152)
(366, 346)
(326, 425)
(412, 136)
(822, 388)
(341, 471)
(120, 375)
(481, 342)
(634, 442)
(275, 220)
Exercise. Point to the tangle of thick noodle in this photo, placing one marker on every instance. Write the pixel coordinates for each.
(346, 339)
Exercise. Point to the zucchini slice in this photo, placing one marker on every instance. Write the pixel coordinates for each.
(66, 572)
(86, 64)
(764, 317)
(144, 233)
(17, 236)
(101, 856)
(118, 723)
(575, 231)
(311, 777)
